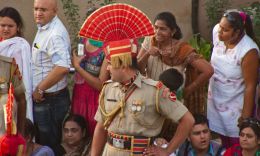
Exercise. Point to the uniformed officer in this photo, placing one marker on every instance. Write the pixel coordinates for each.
(9, 72)
(132, 108)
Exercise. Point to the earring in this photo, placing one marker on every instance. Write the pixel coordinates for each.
(173, 34)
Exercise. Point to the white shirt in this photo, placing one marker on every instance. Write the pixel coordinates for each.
(19, 48)
(226, 86)
(51, 47)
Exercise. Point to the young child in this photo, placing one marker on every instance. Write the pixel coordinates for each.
(173, 79)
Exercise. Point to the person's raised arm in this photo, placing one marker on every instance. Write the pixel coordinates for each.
(142, 59)
(99, 140)
(95, 82)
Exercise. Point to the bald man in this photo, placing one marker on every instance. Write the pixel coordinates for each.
(50, 65)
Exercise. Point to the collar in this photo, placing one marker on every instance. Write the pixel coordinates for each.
(137, 81)
(193, 153)
(46, 26)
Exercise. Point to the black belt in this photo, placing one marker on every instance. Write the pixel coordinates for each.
(54, 93)
(127, 142)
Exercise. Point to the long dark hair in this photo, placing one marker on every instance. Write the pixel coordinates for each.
(14, 15)
(29, 130)
(238, 23)
(170, 21)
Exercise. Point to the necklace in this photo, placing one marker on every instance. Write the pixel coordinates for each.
(167, 50)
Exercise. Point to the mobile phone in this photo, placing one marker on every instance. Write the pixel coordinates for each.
(80, 49)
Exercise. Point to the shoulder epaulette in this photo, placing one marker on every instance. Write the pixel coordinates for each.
(157, 84)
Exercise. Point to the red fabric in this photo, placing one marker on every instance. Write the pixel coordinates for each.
(118, 47)
(116, 22)
(235, 150)
(85, 103)
(9, 109)
(9, 144)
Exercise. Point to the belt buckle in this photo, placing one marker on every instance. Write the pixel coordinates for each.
(119, 143)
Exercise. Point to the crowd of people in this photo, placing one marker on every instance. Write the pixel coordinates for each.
(124, 98)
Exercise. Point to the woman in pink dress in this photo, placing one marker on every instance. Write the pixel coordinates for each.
(90, 74)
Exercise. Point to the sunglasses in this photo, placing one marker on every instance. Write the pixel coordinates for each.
(229, 17)
(252, 121)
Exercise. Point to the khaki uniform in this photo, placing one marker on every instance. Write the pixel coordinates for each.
(142, 114)
(9, 72)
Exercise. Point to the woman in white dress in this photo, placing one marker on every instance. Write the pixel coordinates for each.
(232, 88)
(13, 45)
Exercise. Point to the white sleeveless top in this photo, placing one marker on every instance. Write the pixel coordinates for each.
(226, 86)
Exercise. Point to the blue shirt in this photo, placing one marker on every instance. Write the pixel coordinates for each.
(215, 149)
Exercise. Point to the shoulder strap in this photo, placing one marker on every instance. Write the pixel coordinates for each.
(109, 117)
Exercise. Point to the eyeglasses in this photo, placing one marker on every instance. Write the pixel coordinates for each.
(252, 121)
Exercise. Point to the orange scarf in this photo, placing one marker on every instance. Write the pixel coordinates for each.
(197, 100)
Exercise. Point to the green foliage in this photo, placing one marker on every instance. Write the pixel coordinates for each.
(71, 12)
(93, 5)
(254, 11)
(215, 10)
(202, 46)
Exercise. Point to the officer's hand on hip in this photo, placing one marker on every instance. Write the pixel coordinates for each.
(155, 151)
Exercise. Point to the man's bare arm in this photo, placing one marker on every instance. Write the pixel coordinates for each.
(99, 140)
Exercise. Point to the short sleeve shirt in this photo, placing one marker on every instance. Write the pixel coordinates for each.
(144, 110)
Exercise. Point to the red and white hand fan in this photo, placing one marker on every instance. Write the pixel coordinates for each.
(116, 22)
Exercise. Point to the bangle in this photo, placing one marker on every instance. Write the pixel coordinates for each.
(40, 91)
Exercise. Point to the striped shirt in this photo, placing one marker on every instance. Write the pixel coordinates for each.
(51, 47)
